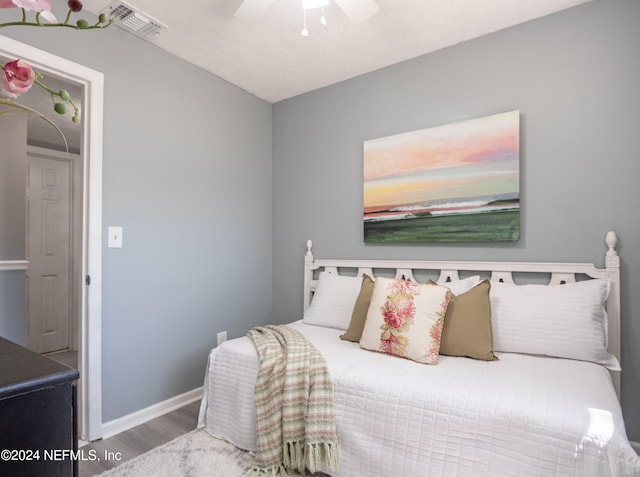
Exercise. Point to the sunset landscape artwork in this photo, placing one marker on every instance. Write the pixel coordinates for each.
(457, 182)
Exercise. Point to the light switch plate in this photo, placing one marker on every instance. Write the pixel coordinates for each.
(115, 237)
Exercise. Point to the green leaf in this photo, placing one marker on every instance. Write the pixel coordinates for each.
(60, 108)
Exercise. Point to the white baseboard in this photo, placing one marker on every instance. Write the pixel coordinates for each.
(636, 446)
(134, 419)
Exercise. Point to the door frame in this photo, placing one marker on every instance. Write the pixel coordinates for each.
(90, 329)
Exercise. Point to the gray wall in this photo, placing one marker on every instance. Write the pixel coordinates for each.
(187, 173)
(574, 76)
(12, 306)
(13, 157)
(194, 194)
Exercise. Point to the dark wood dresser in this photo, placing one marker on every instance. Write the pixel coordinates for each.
(37, 414)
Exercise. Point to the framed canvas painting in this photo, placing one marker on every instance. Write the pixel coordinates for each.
(454, 183)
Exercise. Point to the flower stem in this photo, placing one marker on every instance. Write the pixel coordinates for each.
(52, 25)
(27, 109)
(57, 94)
(75, 26)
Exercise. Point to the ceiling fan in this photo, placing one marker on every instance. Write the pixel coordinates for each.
(358, 11)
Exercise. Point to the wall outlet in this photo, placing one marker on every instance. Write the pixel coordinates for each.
(222, 337)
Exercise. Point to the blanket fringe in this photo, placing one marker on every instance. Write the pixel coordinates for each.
(293, 455)
(298, 457)
(322, 456)
(313, 457)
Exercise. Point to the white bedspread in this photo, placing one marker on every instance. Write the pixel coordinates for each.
(520, 416)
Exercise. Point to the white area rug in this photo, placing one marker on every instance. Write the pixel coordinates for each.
(196, 454)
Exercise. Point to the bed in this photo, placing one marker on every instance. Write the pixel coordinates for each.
(548, 404)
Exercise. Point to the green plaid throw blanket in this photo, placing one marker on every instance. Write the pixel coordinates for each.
(294, 405)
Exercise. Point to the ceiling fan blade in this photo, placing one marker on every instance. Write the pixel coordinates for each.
(252, 9)
(358, 11)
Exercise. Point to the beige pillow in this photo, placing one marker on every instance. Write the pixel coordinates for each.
(359, 315)
(467, 325)
(405, 319)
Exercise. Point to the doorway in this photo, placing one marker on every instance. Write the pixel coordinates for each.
(89, 291)
(54, 252)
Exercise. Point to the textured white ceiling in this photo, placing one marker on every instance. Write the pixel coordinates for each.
(269, 58)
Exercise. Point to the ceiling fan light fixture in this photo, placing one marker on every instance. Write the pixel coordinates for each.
(310, 4)
(358, 11)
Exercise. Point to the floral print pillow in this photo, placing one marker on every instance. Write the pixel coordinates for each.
(405, 319)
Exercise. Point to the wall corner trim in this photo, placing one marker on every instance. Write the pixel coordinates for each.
(121, 424)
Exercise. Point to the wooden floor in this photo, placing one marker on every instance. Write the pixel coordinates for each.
(136, 441)
(139, 440)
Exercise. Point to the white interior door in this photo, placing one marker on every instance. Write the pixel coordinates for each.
(49, 254)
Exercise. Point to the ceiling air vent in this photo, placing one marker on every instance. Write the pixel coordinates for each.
(132, 19)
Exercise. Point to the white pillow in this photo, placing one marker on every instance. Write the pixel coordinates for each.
(566, 321)
(333, 301)
(461, 286)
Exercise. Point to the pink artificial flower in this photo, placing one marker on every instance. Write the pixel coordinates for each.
(33, 5)
(17, 77)
(7, 4)
(42, 6)
(74, 5)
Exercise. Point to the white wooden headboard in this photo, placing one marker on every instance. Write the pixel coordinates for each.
(497, 271)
